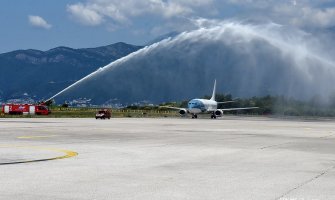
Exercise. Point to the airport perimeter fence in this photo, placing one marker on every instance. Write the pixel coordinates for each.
(87, 112)
(113, 110)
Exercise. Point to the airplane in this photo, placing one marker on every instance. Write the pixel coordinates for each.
(199, 106)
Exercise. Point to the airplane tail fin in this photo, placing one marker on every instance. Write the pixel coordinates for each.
(214, 91)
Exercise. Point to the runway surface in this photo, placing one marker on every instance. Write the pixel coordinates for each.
(229, 158)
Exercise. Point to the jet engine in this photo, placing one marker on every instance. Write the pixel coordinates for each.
(182, 112)
(218, 113)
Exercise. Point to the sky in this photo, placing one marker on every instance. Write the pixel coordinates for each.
(46, 24)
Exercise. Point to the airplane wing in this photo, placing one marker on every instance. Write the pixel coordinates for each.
(170, 107)
(232, 109)
(225, 102)
(182, 111)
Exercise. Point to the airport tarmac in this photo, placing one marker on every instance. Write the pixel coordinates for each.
(126, 158)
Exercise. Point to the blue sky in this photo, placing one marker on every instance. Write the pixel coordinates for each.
(45, 24)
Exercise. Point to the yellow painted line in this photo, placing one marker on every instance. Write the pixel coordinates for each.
(36, 136)
(68, 154)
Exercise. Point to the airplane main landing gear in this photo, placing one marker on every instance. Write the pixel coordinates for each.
(194, 116)
(213, 116)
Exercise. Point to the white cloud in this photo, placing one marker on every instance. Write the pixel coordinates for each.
(316, 17)
(94, 11)
(39, 22)
(85, 15)
(302, 13)
(305, 15)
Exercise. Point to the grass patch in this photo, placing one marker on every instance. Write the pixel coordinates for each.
(90, 113)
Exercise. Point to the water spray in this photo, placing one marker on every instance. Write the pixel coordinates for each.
(295, 45)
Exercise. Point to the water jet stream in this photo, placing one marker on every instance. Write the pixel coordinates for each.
(267, 49)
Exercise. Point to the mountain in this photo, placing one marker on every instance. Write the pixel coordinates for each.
(40, 74)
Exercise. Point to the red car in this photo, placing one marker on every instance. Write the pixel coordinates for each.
(103, 114)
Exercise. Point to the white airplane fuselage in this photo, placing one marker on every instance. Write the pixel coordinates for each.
(196, 106)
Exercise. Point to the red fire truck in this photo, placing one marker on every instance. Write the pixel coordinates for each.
(24, 109)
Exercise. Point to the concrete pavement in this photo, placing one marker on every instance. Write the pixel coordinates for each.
(229, 158)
